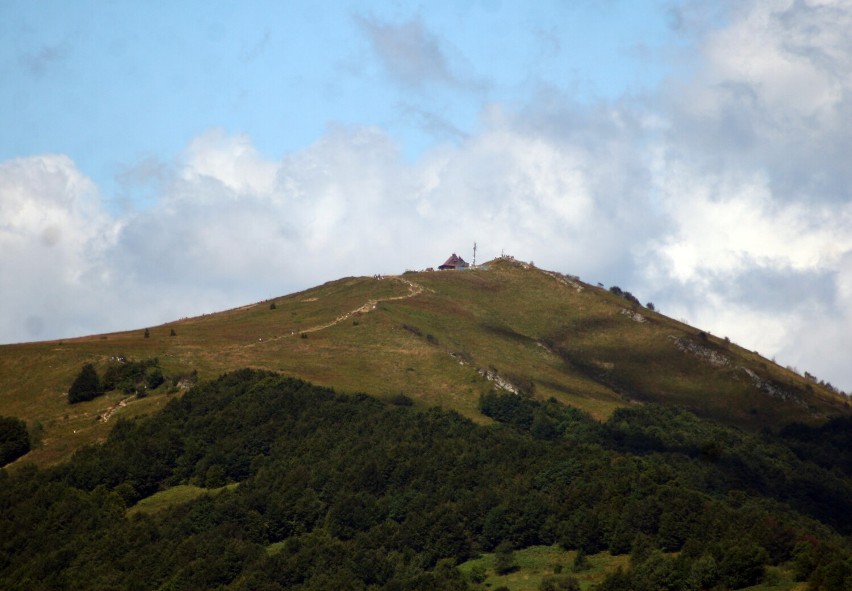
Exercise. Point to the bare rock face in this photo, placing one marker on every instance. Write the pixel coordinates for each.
(717, 359)
(635, 316)
(706, 354)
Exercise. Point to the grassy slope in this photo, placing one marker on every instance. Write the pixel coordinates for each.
(426, 335)
(538, 562)
(176, 495)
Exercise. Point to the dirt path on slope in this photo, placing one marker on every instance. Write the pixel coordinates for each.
(105, 417)
(413, 290)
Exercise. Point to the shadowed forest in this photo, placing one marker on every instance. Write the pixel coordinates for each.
(349, 492)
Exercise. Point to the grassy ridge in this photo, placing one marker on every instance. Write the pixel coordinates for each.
(437, 337)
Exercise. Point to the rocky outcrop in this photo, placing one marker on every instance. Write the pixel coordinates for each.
(707, 354)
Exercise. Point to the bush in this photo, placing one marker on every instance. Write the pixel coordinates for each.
(477, 574)
(508, 408)
(413, 330)
(581, 562)
(86, 385)
(504, 559)
(14, 439)
(132, 376)
(631, 298)
(153, 377)
(401, 400)
(559, 583)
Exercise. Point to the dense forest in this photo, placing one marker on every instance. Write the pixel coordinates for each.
(333, 491)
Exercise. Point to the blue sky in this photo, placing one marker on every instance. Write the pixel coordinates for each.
(114, 83)
(160, 160)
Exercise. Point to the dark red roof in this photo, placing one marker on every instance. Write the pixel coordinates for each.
(454, 262)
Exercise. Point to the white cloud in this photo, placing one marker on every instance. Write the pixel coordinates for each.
(753, 175)
(772, 92)
(232, 226)
(54, 239)
(231, 160)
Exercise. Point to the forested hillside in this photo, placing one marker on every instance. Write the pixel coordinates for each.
(332, 491)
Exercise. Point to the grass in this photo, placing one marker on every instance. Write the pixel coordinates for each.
(537, 562)
(176, 495)
(575, 346)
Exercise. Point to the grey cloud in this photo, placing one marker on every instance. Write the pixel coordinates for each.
(776, 96)
(779, 289)
(413, 56)
(251, 52)
(41, 61)
(148, 170)
(433, 123)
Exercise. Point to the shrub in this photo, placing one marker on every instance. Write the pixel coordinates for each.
(401, 400)
(14, 439)
(477, 574)
(504, 559)
(132, 376)
(413, 330)
(153, 377)
(559, 583)
(86, 385)
(631, 298)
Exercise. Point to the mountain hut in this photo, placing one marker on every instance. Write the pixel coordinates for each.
(454, 262)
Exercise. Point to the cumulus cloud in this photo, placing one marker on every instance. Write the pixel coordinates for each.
(752, 174)
(54, 239)
(232, 226)
(351, 204)
(772, 91)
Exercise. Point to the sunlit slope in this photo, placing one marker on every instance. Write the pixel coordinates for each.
(440, 338)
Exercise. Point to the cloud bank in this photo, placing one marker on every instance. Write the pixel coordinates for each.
(724, 199)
